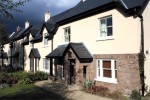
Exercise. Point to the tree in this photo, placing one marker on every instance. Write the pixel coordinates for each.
(6, 8)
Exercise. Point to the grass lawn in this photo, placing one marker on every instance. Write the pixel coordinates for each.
(28, 92)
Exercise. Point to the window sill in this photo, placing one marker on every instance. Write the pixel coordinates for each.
(105, 38)
(45, 46)
(108, 80)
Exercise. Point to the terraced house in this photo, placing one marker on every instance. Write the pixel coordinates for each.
(98, 40)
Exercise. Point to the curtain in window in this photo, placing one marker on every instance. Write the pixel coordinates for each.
(103, 28)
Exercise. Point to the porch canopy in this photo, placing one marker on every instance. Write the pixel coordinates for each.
(15, 54)
(79, 49)
(34, 53)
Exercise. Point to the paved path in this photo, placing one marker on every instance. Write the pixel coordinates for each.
(62, 89)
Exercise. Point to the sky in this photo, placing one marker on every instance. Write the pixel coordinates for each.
(34, 11)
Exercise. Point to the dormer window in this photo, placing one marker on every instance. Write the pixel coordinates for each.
(45, 39)
(31, 45)
(67, 33)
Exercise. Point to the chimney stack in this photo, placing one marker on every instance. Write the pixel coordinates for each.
(27, 24)
(83, 0)
(18, 28)
(47, 16)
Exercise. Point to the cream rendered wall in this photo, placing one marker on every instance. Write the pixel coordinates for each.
(146, 16)
(27, 60)
(44, 50)
(7, 49)
(126, 34)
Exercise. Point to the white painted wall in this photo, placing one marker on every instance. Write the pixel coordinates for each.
(44, 50)
(146, 16)
(126, 34)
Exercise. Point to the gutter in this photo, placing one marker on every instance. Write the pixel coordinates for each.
(142, 54)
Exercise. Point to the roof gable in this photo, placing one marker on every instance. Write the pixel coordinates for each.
(78, 48)
(35, 53)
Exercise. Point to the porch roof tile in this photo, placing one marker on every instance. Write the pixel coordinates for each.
(79, 49)
(35, 53)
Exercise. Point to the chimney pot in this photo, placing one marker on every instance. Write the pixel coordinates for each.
(27, 24)
(47, 16)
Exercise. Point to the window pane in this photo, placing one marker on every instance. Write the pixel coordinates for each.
(103, 28)
(98, 72)
(98, 64)
(107, 64)
(107, 73)
(68, 30)
(115, 73)
(109, 31)
(67, 34)
(109, 21)
(103, 23)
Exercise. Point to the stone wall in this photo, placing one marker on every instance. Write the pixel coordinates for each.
(128, 74)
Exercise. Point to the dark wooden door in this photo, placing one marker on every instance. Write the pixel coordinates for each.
(84, 72)
(72, 72)
(32, 64)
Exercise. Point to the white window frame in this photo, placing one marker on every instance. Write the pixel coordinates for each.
(67, 34)
(37, 61)
(99, 67)
(45, 40)
(46, 64)
(62, 72)
(100, 37)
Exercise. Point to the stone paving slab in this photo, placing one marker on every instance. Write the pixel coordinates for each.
(62, 89)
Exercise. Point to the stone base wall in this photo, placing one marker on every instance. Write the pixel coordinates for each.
(128, 74)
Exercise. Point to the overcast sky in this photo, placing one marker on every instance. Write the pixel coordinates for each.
(35, 9)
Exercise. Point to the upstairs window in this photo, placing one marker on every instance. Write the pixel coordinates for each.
(106, 29)
(45, 39)
(67, 33)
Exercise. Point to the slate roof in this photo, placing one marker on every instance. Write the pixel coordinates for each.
(78, 48)
(58, 52)
(51, 24)
(14, 35)
(81, 10)
(133, 3)
(37, 38)
(35, 53)
(21, 33)
(89, 6)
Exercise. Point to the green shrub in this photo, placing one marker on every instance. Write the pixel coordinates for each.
(41, 76)
(135, 95)
(8, 79)
(21, 77)
(87, 84)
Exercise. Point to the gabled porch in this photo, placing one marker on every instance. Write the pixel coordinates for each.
(71, 62)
